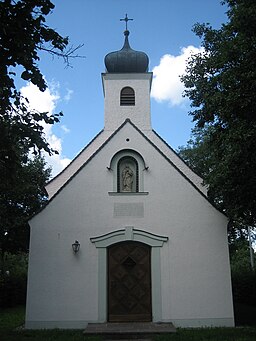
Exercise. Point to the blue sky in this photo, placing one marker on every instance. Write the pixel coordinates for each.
(159, 28)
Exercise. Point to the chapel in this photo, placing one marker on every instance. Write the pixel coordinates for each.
(128, 233)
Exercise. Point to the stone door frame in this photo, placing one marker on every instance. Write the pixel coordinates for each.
(129, 233)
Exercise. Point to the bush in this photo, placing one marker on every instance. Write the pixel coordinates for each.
(243, 277)
(244, 287)
(13, 279)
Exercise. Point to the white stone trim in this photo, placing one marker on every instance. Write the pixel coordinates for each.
(102, 285)
(125, 234)
(141, 167)
(135, 234)
(156, 285)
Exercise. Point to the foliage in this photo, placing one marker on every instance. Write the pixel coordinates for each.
(240, 256)
(198, 153)
(11, 318)
(221, 84)
(23, 36)
(244, 287)
(245, 315)
(243, 278)
(20, 198)
(13, 279)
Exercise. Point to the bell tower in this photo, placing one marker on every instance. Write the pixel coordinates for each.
(126, 86)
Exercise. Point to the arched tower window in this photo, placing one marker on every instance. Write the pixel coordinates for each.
(127, 96)
(127, 175)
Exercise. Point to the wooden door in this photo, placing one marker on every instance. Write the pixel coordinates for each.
(129, 282)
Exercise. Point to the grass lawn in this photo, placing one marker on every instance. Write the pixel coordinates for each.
(12, 318)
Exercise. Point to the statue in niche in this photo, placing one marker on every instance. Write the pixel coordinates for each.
(127, 179)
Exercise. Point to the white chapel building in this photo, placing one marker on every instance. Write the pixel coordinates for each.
(148, 244)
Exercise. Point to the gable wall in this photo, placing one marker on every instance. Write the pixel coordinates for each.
(194, 262)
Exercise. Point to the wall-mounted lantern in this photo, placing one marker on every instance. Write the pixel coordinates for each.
(76, 246)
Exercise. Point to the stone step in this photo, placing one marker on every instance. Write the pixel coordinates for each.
(129, 330)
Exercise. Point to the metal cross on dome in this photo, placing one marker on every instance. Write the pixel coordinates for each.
(126, 19)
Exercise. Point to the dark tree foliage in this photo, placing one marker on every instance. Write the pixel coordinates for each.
(221, 84)
(23, 36)
(20, 198)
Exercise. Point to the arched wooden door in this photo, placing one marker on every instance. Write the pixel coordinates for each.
(129, 282)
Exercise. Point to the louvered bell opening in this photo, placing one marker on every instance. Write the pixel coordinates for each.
(127, 96)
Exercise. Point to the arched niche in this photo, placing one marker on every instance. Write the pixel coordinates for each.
(128, 169)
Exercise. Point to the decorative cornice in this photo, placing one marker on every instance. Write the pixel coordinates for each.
(126, 234)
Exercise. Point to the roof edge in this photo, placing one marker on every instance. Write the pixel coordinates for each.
(153, 144)
(63, 170)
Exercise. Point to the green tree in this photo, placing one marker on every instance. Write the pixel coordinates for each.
(13, 279)
(221, 84)
(240, 256)
(20, 198)
(24, 36)
(243, 278)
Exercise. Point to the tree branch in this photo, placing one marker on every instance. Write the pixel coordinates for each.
(66, 55)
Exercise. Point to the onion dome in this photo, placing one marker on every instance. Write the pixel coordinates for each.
(126, 60)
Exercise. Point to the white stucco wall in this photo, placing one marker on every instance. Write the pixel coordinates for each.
(115, 114)
(195, 276)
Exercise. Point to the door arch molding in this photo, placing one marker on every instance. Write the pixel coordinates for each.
(129, 233)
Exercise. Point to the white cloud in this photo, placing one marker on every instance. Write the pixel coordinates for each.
(68, 95)
(38, 100)
(166, 80)
(46, 102)
(65, 129)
